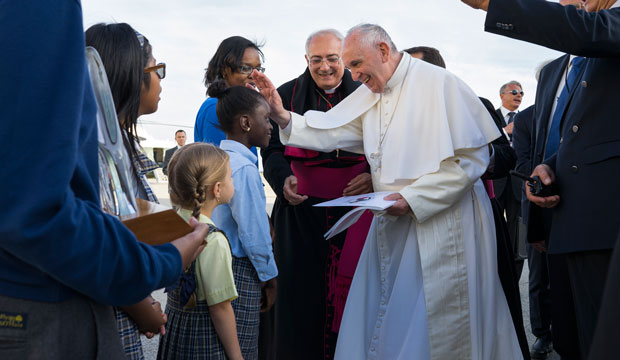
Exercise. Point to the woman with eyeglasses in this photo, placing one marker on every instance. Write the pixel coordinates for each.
(134, 79)
(235, 59)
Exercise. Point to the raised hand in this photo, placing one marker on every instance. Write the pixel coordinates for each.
(268, 90)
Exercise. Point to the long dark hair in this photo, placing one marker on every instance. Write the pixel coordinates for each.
(228, 54)
(233, 102)
(124, 57)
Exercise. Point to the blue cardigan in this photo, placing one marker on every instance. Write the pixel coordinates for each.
(54, 239)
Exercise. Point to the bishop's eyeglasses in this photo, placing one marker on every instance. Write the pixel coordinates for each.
(330, 60)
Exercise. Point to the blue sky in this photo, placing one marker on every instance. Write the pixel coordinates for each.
(186, 33)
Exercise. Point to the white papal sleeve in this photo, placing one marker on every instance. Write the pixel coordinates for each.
(346, 137)
(435, 192)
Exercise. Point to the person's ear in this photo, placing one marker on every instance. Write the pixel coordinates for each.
(226, 73)
(217, 191)
(384, 49)
(245, 123)
(307, 60)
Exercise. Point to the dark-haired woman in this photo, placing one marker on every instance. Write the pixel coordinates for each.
(134, 79)
(235, 59)
(244, 117)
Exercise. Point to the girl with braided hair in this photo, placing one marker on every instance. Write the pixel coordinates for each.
(201, 322)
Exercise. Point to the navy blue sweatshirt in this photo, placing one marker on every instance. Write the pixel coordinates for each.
(54, 239)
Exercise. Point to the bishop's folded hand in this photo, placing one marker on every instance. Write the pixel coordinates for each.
(361, 184)
(290, 191)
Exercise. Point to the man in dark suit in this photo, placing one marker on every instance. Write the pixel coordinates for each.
(586, 136)
(179, 137)
(511, 94)
(508, 189)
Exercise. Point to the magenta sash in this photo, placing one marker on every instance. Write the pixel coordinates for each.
(323, 182)
(299, 152)
(488, 186)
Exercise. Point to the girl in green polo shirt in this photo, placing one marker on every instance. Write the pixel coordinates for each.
(201, 321)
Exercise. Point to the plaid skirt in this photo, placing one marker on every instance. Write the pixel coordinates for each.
(130, 335)
(190, 333)
(247, 306)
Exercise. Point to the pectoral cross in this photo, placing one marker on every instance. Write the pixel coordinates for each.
(375, 160)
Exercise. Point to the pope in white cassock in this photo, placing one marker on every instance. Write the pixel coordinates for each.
(426, 286)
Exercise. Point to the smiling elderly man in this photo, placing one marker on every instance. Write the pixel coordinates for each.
(426, 286)
(315, 274)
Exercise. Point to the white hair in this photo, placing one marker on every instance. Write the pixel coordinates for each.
(372, 35)
(332, 32)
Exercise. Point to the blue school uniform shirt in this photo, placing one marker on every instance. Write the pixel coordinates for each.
(244, 219)
(55, 241)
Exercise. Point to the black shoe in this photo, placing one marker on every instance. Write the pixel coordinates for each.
(542, 347)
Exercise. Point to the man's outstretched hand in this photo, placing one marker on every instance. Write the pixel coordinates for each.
(478, 4)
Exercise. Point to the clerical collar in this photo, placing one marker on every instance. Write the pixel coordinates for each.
(331, 91)
(399, 73)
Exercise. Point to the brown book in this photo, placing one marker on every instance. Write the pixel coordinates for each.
(155, 224)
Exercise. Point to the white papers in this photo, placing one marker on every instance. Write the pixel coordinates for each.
(372, 201)
(363, 202)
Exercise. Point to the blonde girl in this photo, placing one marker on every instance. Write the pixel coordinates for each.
(201, 321)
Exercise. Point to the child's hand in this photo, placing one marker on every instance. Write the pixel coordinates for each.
(162, 329)
(148, 316)
(268, 294)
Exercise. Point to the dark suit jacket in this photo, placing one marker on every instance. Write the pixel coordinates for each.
(501, 184)
(523, 142)
(167, 157)
(505, 157)
(588, 160)
(498, 111)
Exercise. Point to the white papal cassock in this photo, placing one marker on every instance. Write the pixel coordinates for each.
(426, 286)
